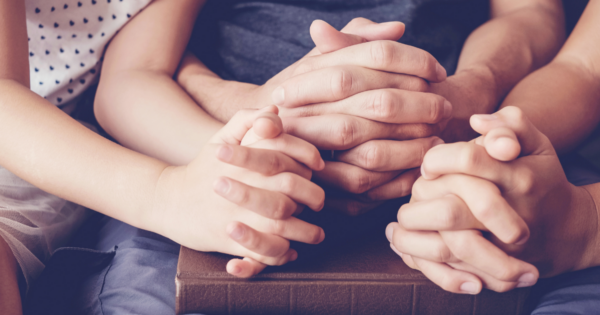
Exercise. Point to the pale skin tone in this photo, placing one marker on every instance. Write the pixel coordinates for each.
(509, 182)
(165, 124)
(59, 155)
(521, 36)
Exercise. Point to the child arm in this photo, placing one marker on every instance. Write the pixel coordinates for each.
(138, 102)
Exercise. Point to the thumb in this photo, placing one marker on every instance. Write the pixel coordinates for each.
(509, 134)
(266, 120)
(359, 30)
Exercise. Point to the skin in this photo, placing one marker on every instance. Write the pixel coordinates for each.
(57, 154)
(519, 192)
(521, 36)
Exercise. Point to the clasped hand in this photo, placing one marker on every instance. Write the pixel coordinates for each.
(496, 212)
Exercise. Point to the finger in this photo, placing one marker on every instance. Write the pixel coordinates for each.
(327, 39)
(260, 243)
(337, 83)
(384, 55)
(384, 105)
(292, 229)
(245, 268)
(352, 178)
(502, 144)
(472, 248)
(233, 132)
(423, 244)
(483, 199)
(389, 155)
(396, 188)
(532, 141)
(296, 148)
(449, 279)
(343, 132)
(488, 281)
(441, 214)
(268, 125)
(269, 204)
(297, 188)
(266, 162)
(465, 158)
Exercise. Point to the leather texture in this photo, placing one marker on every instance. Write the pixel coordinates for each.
(364, 277)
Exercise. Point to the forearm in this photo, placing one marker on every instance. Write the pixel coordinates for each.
(148, 112)
(515, 42)
(10, 298)
(49, 149)
(561, 99)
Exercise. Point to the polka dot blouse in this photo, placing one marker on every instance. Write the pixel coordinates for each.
(67, 39)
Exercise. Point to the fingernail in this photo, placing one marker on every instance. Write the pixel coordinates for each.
(237, 233)
(469, 287)
(435, 143)
(225, 153)
(447, 109)
(294, 256)
(321, 165)
(278, 96)
(389, 232)
(486, 117)
(423, 171)
(236, 270)
(221, 186)
(322, 236)
(526, 280)
(440, 72)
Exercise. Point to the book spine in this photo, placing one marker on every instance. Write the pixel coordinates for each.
(322, 297)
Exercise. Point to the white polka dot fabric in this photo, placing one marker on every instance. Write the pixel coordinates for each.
(66, 42)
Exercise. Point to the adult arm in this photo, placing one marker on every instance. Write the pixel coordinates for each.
(562, 98)
(138, 102)
(520, 37)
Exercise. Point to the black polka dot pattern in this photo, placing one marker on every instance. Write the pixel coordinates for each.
(66, 41)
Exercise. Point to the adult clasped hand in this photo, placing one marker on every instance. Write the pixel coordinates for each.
(493, 211)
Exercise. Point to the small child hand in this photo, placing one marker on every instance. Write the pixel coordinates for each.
(242, 207)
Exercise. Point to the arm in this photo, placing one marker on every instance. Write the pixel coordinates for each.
(137, 101)
(520, 37)
(562, 98)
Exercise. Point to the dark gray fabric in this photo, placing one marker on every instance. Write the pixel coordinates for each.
(251, 41)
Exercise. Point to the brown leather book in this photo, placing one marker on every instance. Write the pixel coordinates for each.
(362, 277)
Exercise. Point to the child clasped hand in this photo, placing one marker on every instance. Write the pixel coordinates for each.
(508, 182)
(239, 199)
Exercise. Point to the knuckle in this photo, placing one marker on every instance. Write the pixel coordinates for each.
(344, 133)
(274, 165)
(436, 108)
(277, 227)
(280, 209)
(370, 156)
(447, 283)
(287, 183)
(426, 62)
(448, 217)
(525, 181)
(381, 104)
(342, 83)
(361, 183)
(382, 54)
